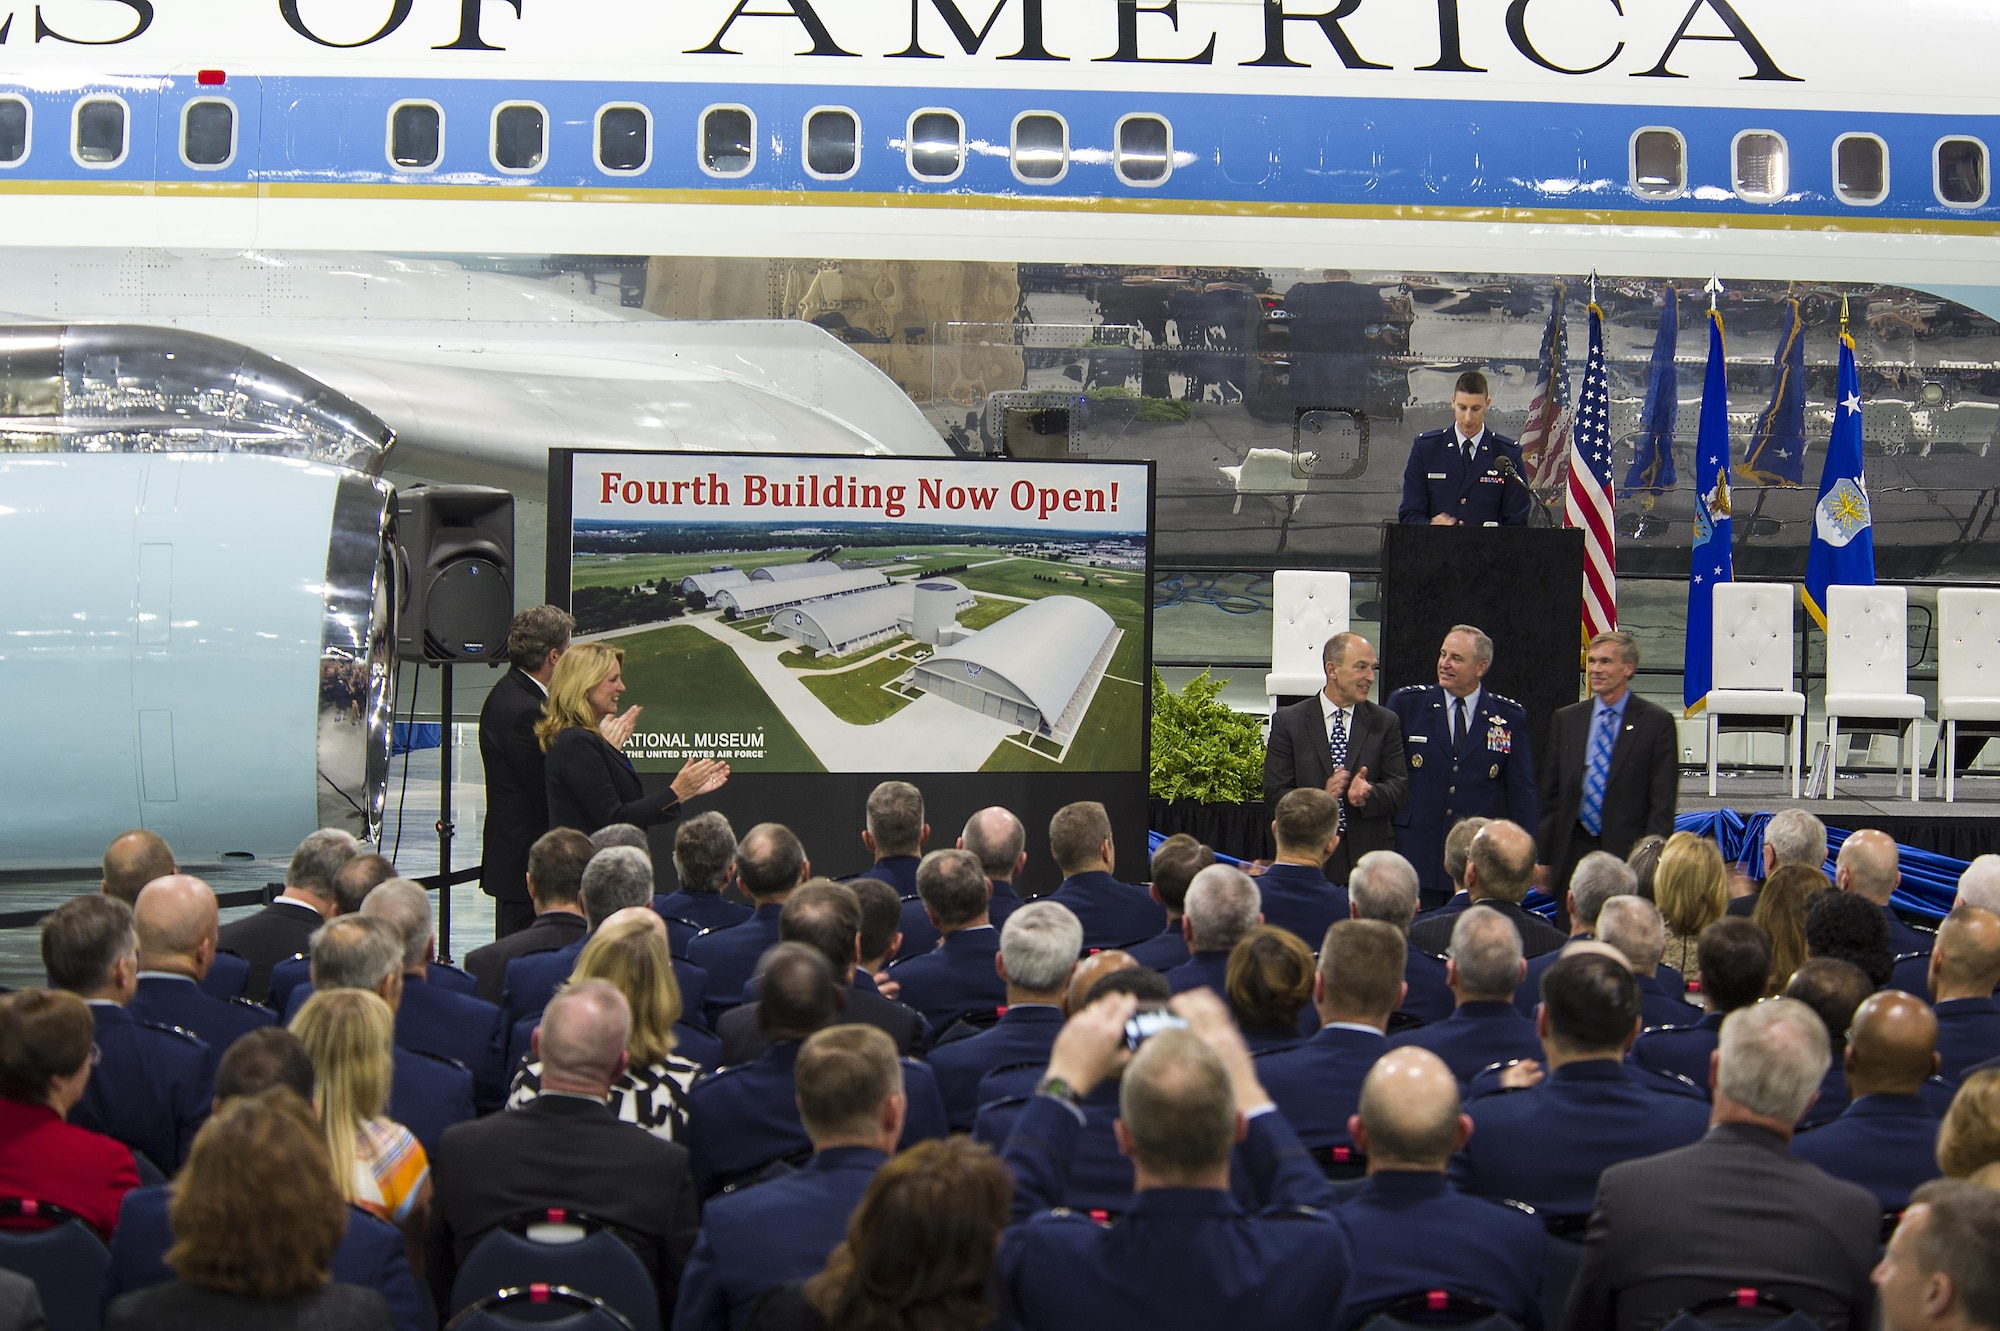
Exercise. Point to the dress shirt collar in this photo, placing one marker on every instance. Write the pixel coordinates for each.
(296, 904)
(1471, 706)
(1599, 707)
(112, 1004)
(166, 975)
(1361, 1028)
(1327, 707)
(1468, 446)
(537, 683)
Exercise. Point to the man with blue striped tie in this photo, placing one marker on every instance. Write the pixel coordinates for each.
(1611, 776)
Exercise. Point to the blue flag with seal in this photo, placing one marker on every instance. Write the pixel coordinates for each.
(1843, 537)
(1712, 562)
(1777, 451)
(1652, 469)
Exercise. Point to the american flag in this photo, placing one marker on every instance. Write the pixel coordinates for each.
(1590, 498)
(1545, 438)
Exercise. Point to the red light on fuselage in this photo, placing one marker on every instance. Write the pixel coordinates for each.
(211, 78)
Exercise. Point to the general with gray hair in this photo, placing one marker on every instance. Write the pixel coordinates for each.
(1484, 970)
(616, 877)
(1223, 904)
(704, 853)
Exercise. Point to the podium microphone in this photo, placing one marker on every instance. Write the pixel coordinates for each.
(1507, 470)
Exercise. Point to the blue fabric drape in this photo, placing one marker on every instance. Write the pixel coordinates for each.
(1930, 881)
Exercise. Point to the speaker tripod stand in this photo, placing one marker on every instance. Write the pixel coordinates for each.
(445, 828)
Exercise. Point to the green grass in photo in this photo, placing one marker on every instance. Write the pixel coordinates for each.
(987, 611)
(856, 696)
(688, 681)
(1107, 741)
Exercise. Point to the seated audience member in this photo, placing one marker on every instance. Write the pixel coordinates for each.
(45, 1063)
(705, 863)
(1186, 1255)
(555, 880)
(1633, 927)
(1597, 878)
(1383, 886)
(1978, 886)
(850, 1092)
(1735, 961)
(284, 928)
(430, 1018)
(881, 929)
(1938, 1273)
(1868, 866)
(176, 922)
(1088, 972)
(1295, 892)
(918, 1252)
(1483, 971)
(1792, 839)
(1849, 928)
(1886, 1138)
(149, 1086)
(1223, 905)
(1179, 858)
(1965, 966)
(1833, 990)
(1691, 888)
(622, 834)
(1039, 946)
(630, 954)
(1781, 913)
(1499, 870)
(1411, 1231)
(770, 863)
(895, 834)
(256, 1222)
(565, 1148)
(826, 917)
(1112, 913)
(1318, 1084)
(1457, 850)
(1000, 844)
(426, 1094)
(371, 1252)
(358, 877)
(1547, 1145)
(1644, 860)
(1736, 1208)
(743, 1119)
(1270, 984)
(958, 976)
(132, 860)
(1968, 1145)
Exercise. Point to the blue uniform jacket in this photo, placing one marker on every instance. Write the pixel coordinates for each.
(1904, 939)
(1546, 1146)
(1022, 1035)
(1318, 1084)
(1112, 913)
(1491, 774)
(151, 1088)
(1429, 998)
(370, 1255)
(227, 977)
(295, 972)
(900, 872)
(1413, 1232)
(1474, 1037)
(1182, 1259)
(1968, 1034)
(428, 1095)
(1832, 1100)
(467, 1030)
(1440, 479)
(1099, 1177)
(956, 978)
(729, 956)
(175, 1000)
(533, 980)
(773, 1234)
(1886, 1143)
(699, 910)
(1163, 951)
(1683, 1050)
(1301, 900)
(1203, 970)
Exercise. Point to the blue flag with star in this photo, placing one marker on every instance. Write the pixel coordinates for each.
(1712, 562)
(1776, 454)
(1843, 536)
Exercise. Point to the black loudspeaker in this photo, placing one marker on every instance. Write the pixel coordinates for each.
(455, 567)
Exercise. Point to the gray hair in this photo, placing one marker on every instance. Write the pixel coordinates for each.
(1774, 1056)
(622, 834)
(1627, 645)
(1486, 949)
(1599, 877)
(355, 952)
(999, 849)
(1040, 944)
(319, 858)
(1383, 886)
(1482, 646)
(1796, 837)
(1634, 926)
(407, 907)
(1222, 905)
(535, 632)
(1979, 885)
(704, 848)
(615, 878)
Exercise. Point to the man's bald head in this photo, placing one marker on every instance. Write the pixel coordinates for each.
(1966, 958)
(1891, 1045)
(1409, 1117)
(1501, 862)
(175, 915)
(583, 1036)
(996, 836)
(134, 859)
(1092, 969)
(1868, 865)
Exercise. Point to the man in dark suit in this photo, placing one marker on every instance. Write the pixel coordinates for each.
(1484, 969)
(1965, 966)
(896, 834)
(1610, 773)
(1465, 474)
(1294, 890)
(770, 863)
(566, 1149)
(517, 796)
(1318, 1084)
(1886, 1138)
(1597, 878)
(851, 1104)
(1633, 927)
(1383, 887)
(176, 920)
(1175, 863)
(1339, 742)
(283, 928)
(1039, 947)
(1869, 866)
(1736, 1208)
(1223, 904)
(1499, 868)
(1734, 957)
(431, 1019)
(1468, 753)
(959, 977)
(555, 885)
(1112, 913)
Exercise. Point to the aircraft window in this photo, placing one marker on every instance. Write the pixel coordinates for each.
(833, 143)
(1860, 169)
(728, 141)
(936, 145)
(1145, 150)
(1961, 172)
(208, 133)
(624, 138)
(1762, 166)
(13, 130)
(520, 137)
(416, 136)
(1041, 147)
(100, 132)
(1659, 164)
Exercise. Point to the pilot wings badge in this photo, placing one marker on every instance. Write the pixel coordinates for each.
(1843, 513)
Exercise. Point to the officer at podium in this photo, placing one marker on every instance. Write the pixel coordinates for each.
(1468, 755)
(1465, 474)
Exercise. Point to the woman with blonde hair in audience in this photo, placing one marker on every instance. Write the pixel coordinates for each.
(1781, 911)
(1968, 1143)
(377, 1163)
(630, 952)
(1691, 888)
(1270, 980)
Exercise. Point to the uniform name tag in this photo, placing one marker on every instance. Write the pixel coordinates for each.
(1439, 476)
(1419, 739)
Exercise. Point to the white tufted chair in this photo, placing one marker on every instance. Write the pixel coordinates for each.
(1750, 642)
(1867, 672)
(1308, 606)
(1968, 670)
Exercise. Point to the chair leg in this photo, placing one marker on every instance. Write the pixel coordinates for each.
(1916, 760)
(1714, 732)
(1832, 753)
(1948, 760)
(1797, 738)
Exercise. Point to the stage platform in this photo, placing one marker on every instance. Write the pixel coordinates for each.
(1964, 830)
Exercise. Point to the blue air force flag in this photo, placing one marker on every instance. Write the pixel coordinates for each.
(1712, 562)
(1843, 537)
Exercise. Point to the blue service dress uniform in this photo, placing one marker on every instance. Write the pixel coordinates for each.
(1112, 913)
(176, 1000)
(1490, 773)
(1023, 1035)
(953, 979)
(729, 956)
(1413, 1232)
(1885, 1143)
(1439, 478)
(1475, 1037)
(151, 1089)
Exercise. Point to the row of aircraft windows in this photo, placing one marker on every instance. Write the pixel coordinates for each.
(934, 148)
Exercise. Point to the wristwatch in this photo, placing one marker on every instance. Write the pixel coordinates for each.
(1060, 1089)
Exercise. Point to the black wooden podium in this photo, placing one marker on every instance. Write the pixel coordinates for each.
(1522, 585)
